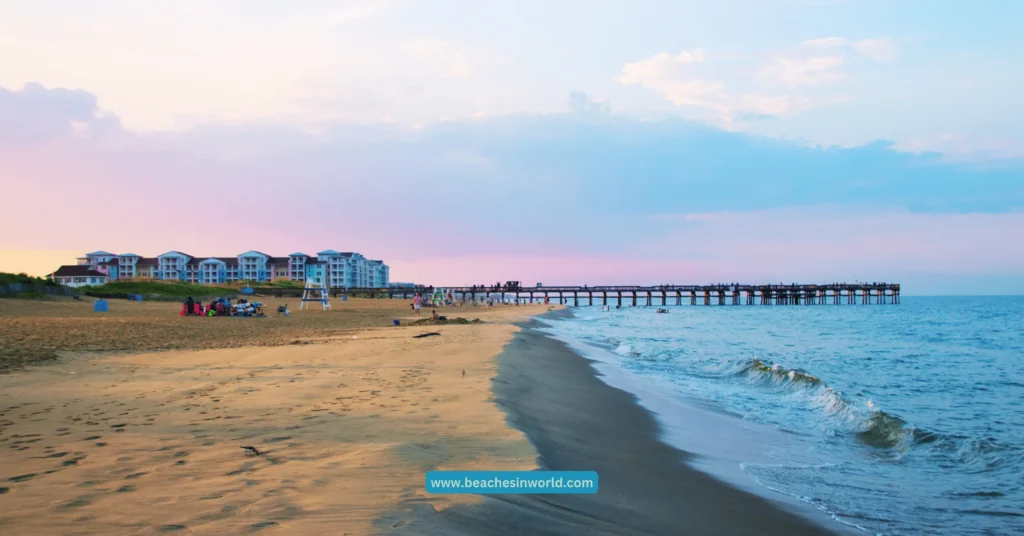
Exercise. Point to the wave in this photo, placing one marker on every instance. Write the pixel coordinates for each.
(871, 426)
(861, 420)
(780, 373)
(889, 431)
(627, 350)
(876, 428)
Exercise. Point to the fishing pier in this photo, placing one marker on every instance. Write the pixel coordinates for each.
(634, 295)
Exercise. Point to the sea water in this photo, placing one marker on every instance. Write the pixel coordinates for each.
(893, 419)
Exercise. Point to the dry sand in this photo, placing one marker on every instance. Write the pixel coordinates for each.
(149, 443)
(32, 331)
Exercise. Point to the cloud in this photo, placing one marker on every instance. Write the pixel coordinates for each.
(825, 240)
(675, 77)
(671, 76)
(233, 61)
(882, 49)
(751, 117)
(582, 104)
(811, 71)
(34, 114)
(805, 66)
(448, 58)
(701, 201)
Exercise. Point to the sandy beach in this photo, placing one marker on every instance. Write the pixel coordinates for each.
(347, 412)
(347, 420)
(577, 422)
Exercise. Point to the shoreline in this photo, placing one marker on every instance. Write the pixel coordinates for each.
(577, 422)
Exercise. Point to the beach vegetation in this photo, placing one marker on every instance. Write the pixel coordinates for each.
(277, 283)
(25, 279)
(156, 290)
(24, 286)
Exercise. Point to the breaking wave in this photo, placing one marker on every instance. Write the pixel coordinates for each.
(870, 425)
(876, 428)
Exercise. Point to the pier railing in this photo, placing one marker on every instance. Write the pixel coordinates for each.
(636, 295)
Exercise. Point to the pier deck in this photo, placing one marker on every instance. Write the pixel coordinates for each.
(727, 294)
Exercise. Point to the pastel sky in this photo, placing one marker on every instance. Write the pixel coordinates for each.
(561, 141)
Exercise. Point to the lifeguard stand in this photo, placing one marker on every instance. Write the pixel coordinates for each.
(315, 292)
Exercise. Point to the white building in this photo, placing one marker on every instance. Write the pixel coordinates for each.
(78, 276)
(336, 269)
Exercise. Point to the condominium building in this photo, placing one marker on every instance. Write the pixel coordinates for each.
(336, 269)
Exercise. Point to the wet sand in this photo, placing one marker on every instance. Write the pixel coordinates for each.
(576, 422)
(149, 443)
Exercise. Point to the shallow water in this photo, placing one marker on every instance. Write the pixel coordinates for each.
(900, 419)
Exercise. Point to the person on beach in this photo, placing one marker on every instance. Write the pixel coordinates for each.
(417, 302)
(189, 306)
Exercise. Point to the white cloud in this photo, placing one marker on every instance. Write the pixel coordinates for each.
(447, 57)
(670, 76)
(766, 104)
(806, 66)
(231, 61)
(676, 77)
(811, 71)
(882, 49)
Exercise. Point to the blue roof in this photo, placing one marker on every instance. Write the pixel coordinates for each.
(298, 255)
(328, 252)
(98, 253)
(129, 255)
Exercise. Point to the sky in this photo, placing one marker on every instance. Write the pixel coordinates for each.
(572, 142)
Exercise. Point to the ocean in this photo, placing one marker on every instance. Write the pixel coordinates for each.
(890, 419)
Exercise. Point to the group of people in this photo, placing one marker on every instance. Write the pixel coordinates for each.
(508, 286)
(448, 300)
(221, 307)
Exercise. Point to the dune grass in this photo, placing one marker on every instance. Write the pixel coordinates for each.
(157, 290)
(25, 279)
